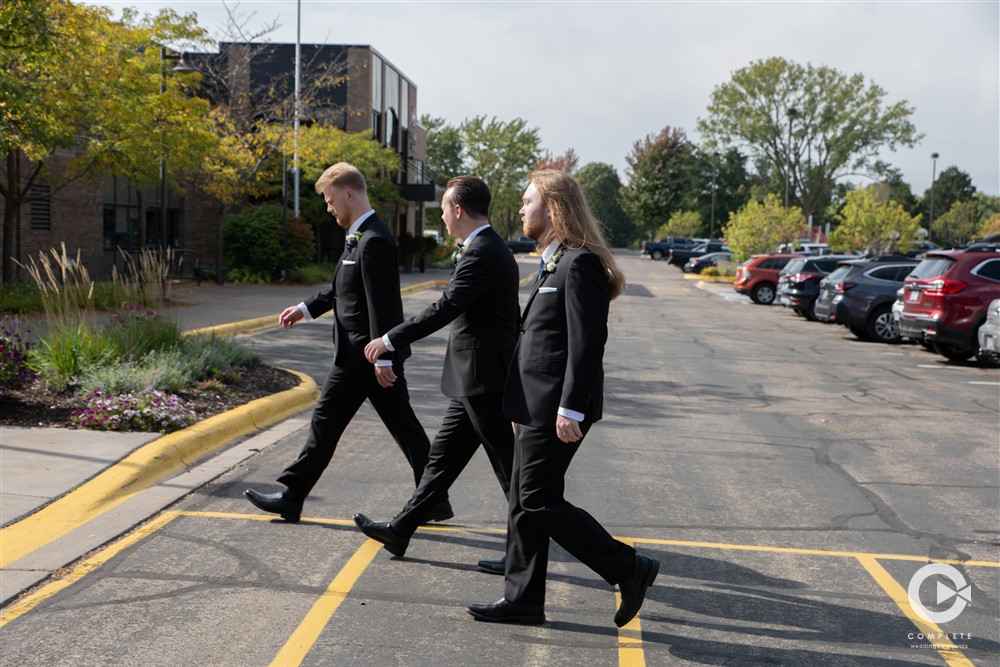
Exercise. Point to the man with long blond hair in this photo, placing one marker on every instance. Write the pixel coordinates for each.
(554, 395)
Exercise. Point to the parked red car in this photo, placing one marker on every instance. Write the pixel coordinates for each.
(758, 276)
(946, 297)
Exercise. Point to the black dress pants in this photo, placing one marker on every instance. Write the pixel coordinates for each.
(467, 422)
(343, 393)
(538, 511)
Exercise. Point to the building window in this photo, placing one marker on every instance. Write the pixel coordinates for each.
(418, 171)
(41, 208)
(376, 83)
(121, 214)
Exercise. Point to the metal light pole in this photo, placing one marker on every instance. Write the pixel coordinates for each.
(182, 67)
(791, 112)
(298, 79)
(715, 170)
(934, 157)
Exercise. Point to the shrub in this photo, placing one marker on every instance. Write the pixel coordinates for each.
(259, 244)
(14, 349)
(136, 331)
(208, 355)
(248, 276)
(68, 351)
(164, 371)
(20, 298)
(142, 411)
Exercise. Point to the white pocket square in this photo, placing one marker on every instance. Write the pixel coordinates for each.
(547, 290)
(348, 261)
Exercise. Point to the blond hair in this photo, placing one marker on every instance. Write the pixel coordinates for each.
(573, 221)
(342, 175)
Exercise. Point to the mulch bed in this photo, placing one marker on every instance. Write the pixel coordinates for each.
(33, 406)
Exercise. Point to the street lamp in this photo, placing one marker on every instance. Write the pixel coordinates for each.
(182, 67)
(934, 157)
(791, 112)
(715, 170)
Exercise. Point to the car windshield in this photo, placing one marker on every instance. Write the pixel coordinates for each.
(931, 267)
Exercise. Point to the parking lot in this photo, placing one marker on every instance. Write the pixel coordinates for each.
(791, 479)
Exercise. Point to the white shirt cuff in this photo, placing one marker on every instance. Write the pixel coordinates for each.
(388, 343)
(383, 362)
(305, 312)
(572, 414)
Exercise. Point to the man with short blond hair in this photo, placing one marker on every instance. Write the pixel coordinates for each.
(365, 299)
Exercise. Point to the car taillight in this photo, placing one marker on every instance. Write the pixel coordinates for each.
(802, 277)
(841, 286)
(671, 255)
(943, 286)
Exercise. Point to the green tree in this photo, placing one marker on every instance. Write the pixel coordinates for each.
(444, 149)
(682, 223)
(989, 226)
(502, 154)
(760, 227)
(872, 223)
(69, 79)
(602, 187)
(732, 186)
(840, 125)
(952, 185)
(959, 225)
(660, 170)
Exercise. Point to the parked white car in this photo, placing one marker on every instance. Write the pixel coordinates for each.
(989, 332)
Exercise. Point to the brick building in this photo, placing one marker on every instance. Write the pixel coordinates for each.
(98, 216)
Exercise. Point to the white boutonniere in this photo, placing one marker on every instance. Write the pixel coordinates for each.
(550, 266)
(352, 240)
(457, 255)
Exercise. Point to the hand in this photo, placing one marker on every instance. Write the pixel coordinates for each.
(375, 349)
(385, 376)
(289, 316)
(568, 429)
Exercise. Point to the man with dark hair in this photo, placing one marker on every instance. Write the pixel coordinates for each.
(366, 301)
(482, 304)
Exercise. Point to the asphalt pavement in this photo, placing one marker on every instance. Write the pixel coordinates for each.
(61, 488)
(791, 479)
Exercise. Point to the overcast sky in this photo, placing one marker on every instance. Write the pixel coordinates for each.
(597, 76)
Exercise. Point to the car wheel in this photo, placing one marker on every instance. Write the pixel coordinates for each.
(882, 327)
(859, 331)
(952, 352)
(657, 255)
(763, 293)
(809, 312)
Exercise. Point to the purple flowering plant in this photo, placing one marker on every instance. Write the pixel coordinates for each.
(14, 349)
(146, 410)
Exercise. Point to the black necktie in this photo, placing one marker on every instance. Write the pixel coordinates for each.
(541, 269)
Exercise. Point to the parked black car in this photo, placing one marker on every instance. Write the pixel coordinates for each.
(661, 247)
(859, 294)
(680, 256)
(522, 244)
(798, 283)
(699, 264)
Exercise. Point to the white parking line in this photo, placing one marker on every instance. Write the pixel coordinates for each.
(991, 384)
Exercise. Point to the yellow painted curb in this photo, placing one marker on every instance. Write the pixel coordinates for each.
(709, 279)
(147, 466)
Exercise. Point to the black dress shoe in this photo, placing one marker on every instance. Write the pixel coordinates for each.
(276, 503)
(633, 589)
(440, 512)
(490, 566)
(382, 532)
(504, 611)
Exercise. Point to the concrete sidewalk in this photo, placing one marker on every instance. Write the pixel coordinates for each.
(66, 491)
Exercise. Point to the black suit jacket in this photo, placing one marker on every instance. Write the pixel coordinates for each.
(364, 296)
(559, 357)
(481, 303)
